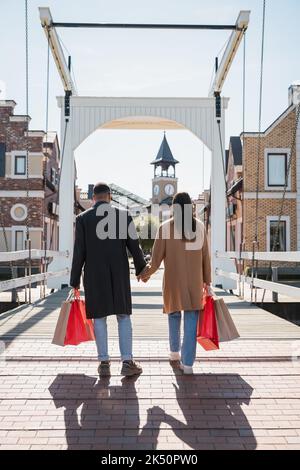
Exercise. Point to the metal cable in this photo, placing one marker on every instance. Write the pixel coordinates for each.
(28, 241)
(225, 181)
(60, 169)
(69, 54)
(287, 175)
(214, 67)
(43, 266)
(11, 264)
(260, 117)
(255, 241)
(27, 105)
(242, 245)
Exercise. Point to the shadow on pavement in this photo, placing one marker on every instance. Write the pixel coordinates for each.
(204, 412)
(214, 419)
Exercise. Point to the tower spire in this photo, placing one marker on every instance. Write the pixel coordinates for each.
(164, 155)
(164, 183)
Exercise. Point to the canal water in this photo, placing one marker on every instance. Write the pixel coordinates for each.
(289, 311)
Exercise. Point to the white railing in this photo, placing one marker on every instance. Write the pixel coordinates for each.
(254, 282)
(29, 278)
(282, 289)
(34, 254)
(26, 280)
(286, 256)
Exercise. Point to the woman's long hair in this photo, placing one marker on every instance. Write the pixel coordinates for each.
(184, 220)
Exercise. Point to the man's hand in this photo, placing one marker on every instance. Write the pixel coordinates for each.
(144, 274)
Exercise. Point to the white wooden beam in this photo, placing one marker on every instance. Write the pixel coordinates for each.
(24, 281)
(6, 256)
(285, 256)
(230, 52)
(283, 289)
(56, 49)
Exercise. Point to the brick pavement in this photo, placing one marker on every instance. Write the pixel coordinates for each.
(245, 396)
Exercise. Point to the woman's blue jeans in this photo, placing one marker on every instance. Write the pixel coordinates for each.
(189, 343)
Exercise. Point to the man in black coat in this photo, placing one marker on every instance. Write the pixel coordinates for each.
(103, 235)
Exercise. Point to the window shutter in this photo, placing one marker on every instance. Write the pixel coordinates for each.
(2, 159)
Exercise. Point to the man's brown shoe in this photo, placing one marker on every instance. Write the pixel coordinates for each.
(104, 369)
(130, 368)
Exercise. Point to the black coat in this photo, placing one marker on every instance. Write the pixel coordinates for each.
(106, 276)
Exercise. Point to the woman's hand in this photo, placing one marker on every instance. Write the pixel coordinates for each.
(208, 290)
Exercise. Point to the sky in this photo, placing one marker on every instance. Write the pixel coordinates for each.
(149, 63)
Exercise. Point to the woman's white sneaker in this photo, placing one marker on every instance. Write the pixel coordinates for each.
(187, 370)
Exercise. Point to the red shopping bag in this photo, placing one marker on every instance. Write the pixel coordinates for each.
(207, 329)
(73, 327)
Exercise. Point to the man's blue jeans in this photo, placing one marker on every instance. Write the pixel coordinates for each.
(189, 344)
(125, 337)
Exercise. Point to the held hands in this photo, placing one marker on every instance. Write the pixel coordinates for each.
(144, 275)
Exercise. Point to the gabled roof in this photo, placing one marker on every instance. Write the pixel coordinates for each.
(164, 154)
(277, 121)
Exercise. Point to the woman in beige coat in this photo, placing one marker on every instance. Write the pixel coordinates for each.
(181, 243)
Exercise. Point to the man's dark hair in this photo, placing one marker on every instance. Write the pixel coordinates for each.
(101, 188)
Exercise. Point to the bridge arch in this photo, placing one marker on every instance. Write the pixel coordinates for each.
(91, 113)
(87, 114)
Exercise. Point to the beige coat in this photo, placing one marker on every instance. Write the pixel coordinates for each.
(187, 267)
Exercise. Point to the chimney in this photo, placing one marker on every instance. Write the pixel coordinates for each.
(294, 93)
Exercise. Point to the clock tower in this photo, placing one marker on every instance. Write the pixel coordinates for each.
(164, 182)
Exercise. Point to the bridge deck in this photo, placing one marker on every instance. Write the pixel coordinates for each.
(244, 396)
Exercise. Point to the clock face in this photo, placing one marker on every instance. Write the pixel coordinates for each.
(156, 190)
(169, 189)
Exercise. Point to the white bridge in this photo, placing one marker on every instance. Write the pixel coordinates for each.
(204, 117)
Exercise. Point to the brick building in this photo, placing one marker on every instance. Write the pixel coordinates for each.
(26, 201)
(234, 165)
(242, 171)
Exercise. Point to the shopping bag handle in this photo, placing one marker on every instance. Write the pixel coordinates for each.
(73, 294)
(208, 291)
(207, 294)
(76, 294)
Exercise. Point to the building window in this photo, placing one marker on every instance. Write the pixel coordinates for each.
(278, 238)
(18, 212)
(232, 238)
(278, 241)
(19, 240)
(277, 169)
(53, 176)
(20, 164)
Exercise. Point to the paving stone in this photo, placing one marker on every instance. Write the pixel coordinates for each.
(245, 396)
